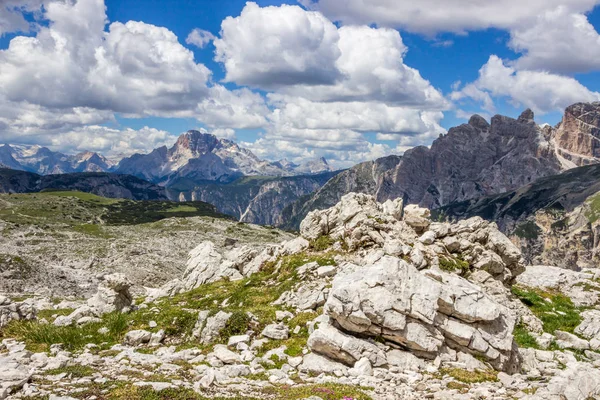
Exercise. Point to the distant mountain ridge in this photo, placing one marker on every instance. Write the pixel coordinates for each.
(98, 183)
(199, 166)
(43, 161)
(202, 157)
(196, 156)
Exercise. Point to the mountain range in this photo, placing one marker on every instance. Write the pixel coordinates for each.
(43, 161)
(98, 183)
(195, 156)
(198, 167)
(473, 160)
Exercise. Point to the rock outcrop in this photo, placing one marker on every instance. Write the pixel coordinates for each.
(10, 311)
(113, 295)
(392, 300)
(206, 264)
(359, 221)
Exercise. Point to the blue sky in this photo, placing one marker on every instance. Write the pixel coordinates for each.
(346, 79)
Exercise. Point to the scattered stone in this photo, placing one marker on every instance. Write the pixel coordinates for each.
(225, 355)
(276, 331)
(135, 338)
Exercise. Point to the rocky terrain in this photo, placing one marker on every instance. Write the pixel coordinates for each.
(58, 243)
(473, 160)
(362, 178)
(554, 220)
(371, 301)
(98, 183)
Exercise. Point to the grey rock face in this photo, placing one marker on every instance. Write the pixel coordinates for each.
(473, 160)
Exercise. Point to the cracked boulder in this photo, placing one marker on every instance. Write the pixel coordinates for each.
(391, 299)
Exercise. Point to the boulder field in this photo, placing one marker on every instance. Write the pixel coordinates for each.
(372, 300)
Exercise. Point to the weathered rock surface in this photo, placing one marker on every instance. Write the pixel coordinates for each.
(10, 311)
(578, 286)
(113, 295)
(393, 300)
(360, 221)
(590, 328)
(578, 381)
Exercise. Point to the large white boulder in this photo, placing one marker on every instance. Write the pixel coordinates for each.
(206, 265)
(113, 295)
(393, 300)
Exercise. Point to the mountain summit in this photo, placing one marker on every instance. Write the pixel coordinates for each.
(202, 157)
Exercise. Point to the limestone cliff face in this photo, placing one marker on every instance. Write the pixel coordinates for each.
(577, 137)
(473, 160)
(258, 200)
(555, 221)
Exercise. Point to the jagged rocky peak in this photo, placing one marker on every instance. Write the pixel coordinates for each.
(526, 116)
(477, 121)
(196, 142)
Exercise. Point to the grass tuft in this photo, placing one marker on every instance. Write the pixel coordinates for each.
(464, 376)
(555, 310)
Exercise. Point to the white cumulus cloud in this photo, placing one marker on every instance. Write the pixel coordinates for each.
(199, 38)
(541, 91)
(273, 46)
(434, 16)
(558, 41)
